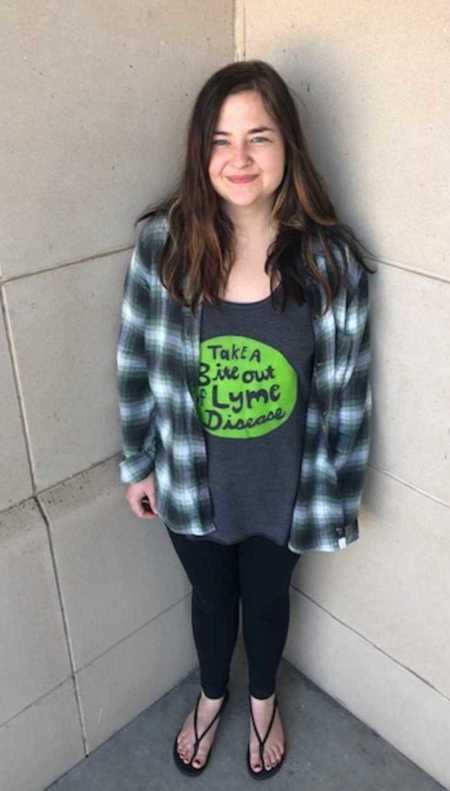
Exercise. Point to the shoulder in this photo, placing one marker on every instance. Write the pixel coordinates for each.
(351, 270)
(152, 236)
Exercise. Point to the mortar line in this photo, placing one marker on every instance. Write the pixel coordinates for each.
(371, 643)
(28, 452)
(18, 389)
(410, 269)
(63, 265)
(240, 35)
(117, 456)
(66, 629)
(95, 659)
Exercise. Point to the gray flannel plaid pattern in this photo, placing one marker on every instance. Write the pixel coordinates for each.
(157, 363)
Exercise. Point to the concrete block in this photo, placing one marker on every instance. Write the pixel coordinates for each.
(33, 649)
(411, 376)
(136, 672)
(65, 326)
(98, 101)
(42, 742)
(117, 572)
(375, 687)
(392, 585)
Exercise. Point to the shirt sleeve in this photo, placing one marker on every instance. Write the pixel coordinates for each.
(355, 401)
(136, 400)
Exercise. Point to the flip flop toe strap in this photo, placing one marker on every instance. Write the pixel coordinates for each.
(197, 737)
(263, 741)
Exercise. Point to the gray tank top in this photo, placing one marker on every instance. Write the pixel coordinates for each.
(251, 397)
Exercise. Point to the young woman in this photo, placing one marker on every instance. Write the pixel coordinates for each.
(245, 398)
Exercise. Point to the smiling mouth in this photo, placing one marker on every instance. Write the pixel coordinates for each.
(241, 179)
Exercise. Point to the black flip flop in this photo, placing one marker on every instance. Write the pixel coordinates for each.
(188, 768)
(263, 773)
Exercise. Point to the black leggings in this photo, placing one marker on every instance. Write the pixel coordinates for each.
(259, 571)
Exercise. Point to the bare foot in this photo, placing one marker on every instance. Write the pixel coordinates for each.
(207, 710)
(274, 746)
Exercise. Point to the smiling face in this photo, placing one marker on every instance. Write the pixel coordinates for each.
(247, 144)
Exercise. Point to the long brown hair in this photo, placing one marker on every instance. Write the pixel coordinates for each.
(200, 247)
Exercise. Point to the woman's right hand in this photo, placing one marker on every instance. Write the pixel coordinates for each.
(141, 496)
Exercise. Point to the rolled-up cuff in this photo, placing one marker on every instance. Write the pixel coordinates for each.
(136, 468)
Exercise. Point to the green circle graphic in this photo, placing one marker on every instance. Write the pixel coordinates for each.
(245, 388)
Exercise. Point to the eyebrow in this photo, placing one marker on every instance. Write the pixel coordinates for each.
(250, 131)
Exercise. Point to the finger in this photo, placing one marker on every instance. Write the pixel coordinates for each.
(152, 502)
(147, 507)
(137, 508)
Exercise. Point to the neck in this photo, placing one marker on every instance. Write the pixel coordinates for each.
(251, 223)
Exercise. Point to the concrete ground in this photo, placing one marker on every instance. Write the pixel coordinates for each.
(328, 749)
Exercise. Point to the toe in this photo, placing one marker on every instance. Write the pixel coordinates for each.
(199, 759)
(271, 759)
(255, 762)
(185, 755)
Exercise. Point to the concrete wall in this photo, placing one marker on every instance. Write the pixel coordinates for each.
(91, 632)
(97, 96)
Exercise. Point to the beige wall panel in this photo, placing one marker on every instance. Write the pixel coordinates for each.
(411, 376)
(41, 743)
(374, 85)
(15, 482)
(400, 707)
(33, 651)
(136, 672)
(65, 326)
(97, 97)
(392, 586)
(117, 572)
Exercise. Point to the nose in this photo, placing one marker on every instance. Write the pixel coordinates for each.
(240, 155)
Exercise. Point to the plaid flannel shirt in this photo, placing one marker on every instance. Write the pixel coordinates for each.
(157, 364)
